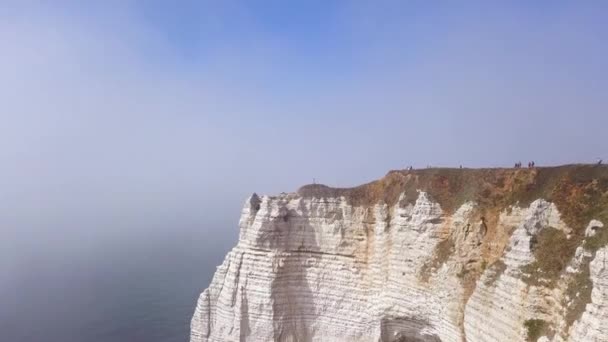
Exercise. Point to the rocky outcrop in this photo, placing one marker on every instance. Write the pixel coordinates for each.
(429, 255)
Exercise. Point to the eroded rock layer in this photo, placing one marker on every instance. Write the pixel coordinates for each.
(427, 255)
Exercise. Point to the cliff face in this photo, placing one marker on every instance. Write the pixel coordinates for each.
(426, 255)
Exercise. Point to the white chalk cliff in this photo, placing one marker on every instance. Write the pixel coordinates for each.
(401, 260)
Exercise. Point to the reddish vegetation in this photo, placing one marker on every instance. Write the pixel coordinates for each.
(579, 191)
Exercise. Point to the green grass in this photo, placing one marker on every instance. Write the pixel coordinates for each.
(579, 292)
(580, 285)
(443, 251)
(535, 328)
(552, 251)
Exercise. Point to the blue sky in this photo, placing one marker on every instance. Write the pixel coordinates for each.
(125, 111)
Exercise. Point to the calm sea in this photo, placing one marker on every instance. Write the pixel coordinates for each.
(136, 287)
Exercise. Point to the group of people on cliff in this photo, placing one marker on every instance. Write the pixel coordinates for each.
(530, 165)
(518, 165)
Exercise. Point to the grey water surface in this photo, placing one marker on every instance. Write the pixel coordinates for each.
(134, 286)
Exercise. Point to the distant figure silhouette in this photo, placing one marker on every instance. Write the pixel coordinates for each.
(484, 227)
(599, 161)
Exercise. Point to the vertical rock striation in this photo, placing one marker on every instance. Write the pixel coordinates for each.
(429, 255)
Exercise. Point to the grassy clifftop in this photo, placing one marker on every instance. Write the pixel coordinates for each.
(579, 191)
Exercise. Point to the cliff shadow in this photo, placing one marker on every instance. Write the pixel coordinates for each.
(404, 329)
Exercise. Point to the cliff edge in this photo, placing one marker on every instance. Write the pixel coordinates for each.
(419, 255)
